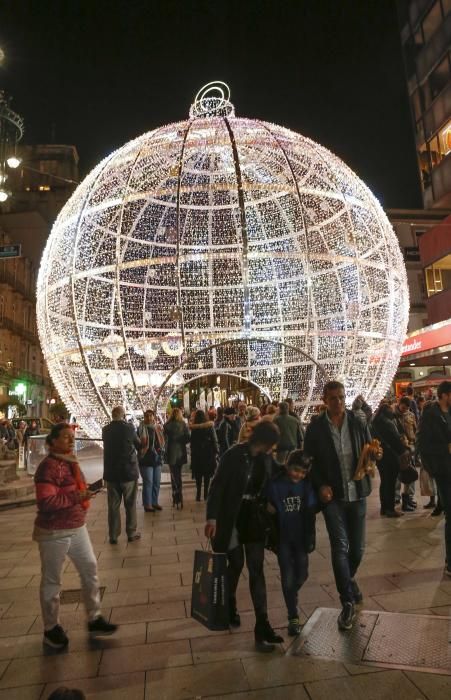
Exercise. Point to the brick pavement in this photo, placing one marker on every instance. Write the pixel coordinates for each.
(161, 653)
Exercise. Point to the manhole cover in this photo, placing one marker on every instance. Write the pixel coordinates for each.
(76, 596)
(411, 640)
(390, 640)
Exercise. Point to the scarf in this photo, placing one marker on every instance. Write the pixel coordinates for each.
(76, 473)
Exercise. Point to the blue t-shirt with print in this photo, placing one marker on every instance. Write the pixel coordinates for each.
(290, 499)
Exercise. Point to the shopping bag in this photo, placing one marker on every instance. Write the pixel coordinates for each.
(210, 595)
(426, 483)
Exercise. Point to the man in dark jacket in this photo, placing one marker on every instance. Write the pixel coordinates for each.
(290, 432)
(121, 473)
(224, 431)
(434, 446)
(334, 441)
(234, 521)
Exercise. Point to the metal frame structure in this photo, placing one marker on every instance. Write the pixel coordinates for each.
(162, 393)
(206, 233)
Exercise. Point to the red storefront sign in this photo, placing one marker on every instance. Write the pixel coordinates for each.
(428, 340)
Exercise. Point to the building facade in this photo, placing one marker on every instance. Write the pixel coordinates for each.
(23, 372)
(426, 43)
(39, 188)
(410, 226)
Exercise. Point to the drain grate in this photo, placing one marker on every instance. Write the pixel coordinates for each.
(75, 596)
(390, 640)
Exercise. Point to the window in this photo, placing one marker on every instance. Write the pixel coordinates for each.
(417, 104)
(445, 139)
(438, 276)
(434, 150)
(439, 77)
(424, 165)
(440, 145)
(432, 21)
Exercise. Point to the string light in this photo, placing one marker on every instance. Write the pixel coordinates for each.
(219, 228)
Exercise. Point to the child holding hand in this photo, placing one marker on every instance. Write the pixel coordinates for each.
(292, 500)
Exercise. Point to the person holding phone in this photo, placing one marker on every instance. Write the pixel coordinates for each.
(62, 499)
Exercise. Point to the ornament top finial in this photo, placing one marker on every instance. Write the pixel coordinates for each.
(212, 100)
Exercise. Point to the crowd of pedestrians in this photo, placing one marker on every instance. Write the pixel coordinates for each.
(264, 479)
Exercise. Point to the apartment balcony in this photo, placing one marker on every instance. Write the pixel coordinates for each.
(433, 51)
(439, 307)
(7, 277)
(441, 185)
(17, 329)
(435, 117)
(416, 9)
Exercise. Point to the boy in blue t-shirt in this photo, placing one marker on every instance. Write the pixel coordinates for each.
(291, 498)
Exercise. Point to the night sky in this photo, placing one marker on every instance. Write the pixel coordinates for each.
(96, 73)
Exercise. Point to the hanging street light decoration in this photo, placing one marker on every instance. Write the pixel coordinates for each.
(11, 132)
(220, 228)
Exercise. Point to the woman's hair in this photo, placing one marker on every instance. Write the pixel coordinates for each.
(67, 694)
(176, 414)
(298, 459)
(199, 417)
(219, 413)
(385, 409)
(55, 433)
(252, 413)
(265, 433)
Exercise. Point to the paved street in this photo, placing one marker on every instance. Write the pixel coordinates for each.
(160, 652)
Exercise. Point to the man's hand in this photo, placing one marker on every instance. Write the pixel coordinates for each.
(325, 494)
(210, 530)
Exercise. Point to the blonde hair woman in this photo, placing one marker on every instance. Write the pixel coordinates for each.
(252, 417)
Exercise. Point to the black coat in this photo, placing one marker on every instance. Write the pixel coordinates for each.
(224, 435)
(384, 429)
(433, 439)
(120, 457)
(177, 436)
(227, 489)
(320, 446)
(204, 450)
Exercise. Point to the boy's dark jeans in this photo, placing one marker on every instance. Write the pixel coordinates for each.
(293, 564)
(345, 522)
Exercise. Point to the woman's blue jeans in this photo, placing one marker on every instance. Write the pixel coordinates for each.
(345, 523)
(151, 477)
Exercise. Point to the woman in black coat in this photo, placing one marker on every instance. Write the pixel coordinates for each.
(176, 435)
(204, 452)
(384, 429)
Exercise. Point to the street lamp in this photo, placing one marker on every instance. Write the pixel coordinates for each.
(13, 162)
(11, 132)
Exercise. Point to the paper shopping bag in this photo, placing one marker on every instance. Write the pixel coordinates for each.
(210, 595)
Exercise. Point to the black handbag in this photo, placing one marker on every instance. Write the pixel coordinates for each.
(408, 475)
(254, 523)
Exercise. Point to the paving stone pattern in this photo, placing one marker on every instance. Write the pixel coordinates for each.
(161, 653)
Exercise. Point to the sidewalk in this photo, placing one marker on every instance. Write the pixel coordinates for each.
(160, 652)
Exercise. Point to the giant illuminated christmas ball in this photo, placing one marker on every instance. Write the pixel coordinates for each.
(219, 245)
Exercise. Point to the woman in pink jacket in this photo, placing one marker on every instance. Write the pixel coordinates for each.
(62, 498)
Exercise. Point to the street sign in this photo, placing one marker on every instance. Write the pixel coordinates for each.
(11, 251)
